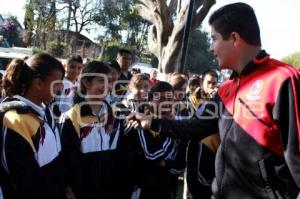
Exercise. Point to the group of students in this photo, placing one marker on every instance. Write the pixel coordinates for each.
(88, 149)
(102, 147)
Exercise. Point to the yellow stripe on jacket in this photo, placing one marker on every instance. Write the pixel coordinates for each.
(26, 125)
(77, 120)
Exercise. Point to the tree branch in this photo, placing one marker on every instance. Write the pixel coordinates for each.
(172, 51)
(179, 3)
(157, 12)
(152, 41)
(181, 19)
(198, 17)
(166, 21)
(145, 12)
(171, 3)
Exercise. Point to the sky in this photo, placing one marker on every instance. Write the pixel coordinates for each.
(278, 20)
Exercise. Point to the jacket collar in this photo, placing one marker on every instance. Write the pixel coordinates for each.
(40, 110)
(262, 57)
(85, 109)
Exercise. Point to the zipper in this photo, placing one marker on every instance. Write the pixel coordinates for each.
(254, 114)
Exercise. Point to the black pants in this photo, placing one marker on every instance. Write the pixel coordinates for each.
(200, 174)
(156, 183)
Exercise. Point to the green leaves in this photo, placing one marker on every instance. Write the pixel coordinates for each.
(293, 59)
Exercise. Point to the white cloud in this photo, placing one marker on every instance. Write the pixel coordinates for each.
(279, 24)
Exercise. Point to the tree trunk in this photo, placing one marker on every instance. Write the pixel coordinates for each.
(67, 38)
(165, 36)
(44, 42)
(102, 49)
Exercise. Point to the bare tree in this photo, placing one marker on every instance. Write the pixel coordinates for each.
(83, 13)
(80, 13)
(79, 16)
(46, 20)
(165, 35)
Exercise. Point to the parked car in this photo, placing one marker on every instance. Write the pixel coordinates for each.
(7, 54)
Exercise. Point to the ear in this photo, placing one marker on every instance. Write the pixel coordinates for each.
(37, 83)
(86, 83)
(236, 38)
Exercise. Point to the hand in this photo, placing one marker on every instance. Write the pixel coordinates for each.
(213, 92)
(139, 120)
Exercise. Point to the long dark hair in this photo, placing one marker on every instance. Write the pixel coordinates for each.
(20, 73)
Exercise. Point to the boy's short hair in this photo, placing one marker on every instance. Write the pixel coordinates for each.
(113, 64)
(75, 58)
(237, 17)
(136, 80)
(123, 51)
(210, 72)
(195, 81)
(160, 87)
(178, 80)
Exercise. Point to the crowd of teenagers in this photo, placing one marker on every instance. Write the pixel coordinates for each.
(98, 131)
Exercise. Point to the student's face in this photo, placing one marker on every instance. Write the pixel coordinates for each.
(50, 86)
(209, 84)
(153, 75)
(180, 93)
(222, 49)
(140, 91)
(97, 87)
(192, 88)
(73, 70)
(124, 61)
(163, 103)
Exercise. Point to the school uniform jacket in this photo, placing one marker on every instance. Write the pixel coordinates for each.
(89, 143)
(201, 161)
(121, 87)
(148, 153)
(154, 147)
(259, 123)
(31, 153)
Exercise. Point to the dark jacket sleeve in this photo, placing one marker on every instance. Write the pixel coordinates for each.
(71, 156)
(23, 168)
(200, 127)
(287, 112)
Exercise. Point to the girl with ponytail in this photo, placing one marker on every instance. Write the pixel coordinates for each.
(30, 139)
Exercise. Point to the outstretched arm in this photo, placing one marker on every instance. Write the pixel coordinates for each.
(203, 126)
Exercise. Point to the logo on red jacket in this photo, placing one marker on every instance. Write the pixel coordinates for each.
(255, 90)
